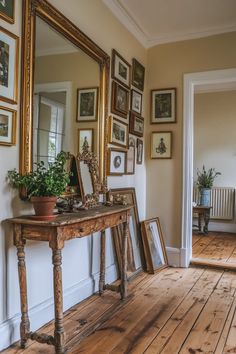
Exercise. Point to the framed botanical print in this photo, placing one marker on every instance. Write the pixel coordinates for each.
(120, 100)
(139, 151)
(87, 104)
(116, 162)
(7, 10)
(163, 106)
(9, 60)
(136, 125)
(161, 145)
(154, 247)
(7, 126)
(138, 74)
(130, 160)
(85, 139)
(118, 133)
(136, 102)
(120, 69)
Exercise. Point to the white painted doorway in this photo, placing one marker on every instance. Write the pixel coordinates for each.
(191, 82)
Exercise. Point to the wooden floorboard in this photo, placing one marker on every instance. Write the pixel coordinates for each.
(174, 311)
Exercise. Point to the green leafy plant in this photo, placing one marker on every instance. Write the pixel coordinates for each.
(205, 179)
(42, 181)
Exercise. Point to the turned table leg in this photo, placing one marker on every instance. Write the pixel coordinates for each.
(59, 336)
(206, 221)
(123, 285)
(102, 262)
(25, 324)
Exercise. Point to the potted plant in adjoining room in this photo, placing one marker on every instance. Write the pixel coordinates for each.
(43, 185)
(205, 180)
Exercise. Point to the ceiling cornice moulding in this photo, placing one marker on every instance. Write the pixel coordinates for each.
(146, 41)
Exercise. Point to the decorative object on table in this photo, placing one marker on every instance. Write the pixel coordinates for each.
(161, 145)
(130, 160)
(135, 246)
(87, 104)
(43, 185)
(138, 74)
(120, 69)
(9, 60)
(136, 102)
(205, 181)
(116, 162)
(120, 100)
(163, 106)
(136, 125)
(85, 137)
(154, 247)
(139, 159)
(118, 132)
(7, 126)
(7, 10)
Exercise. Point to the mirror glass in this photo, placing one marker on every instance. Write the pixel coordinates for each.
(86, 178)
(66, 96)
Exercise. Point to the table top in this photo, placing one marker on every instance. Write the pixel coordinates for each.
(71, 218)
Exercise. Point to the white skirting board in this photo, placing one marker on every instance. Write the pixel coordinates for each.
(177, 257)
(44, 312)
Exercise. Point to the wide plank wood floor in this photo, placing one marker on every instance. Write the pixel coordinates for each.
(215, 248)
(175, 311)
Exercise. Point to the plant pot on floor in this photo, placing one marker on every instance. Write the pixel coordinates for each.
(205, 196)
(43, 207)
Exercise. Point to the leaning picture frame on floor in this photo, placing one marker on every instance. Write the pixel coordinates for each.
(154, 246)
(135, 254)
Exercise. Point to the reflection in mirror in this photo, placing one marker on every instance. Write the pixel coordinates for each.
(60, 70)
(86, 178)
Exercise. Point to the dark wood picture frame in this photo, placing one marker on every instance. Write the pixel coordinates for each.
(119, 100)
(154, 246)
(139, 159)
(136, 102)
(163, 106)
(7, 120)
(8, 13)
(138, 74)
(161, 145)
(120, 69)
(114, 135)
(87, 115)
(136, 125)
(136, 259)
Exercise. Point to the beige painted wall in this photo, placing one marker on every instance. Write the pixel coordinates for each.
(214, 135)
(167, 64)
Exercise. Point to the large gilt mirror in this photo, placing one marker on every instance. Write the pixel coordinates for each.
(65, 78)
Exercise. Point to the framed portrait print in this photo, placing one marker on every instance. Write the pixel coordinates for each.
(85, 139)
(130, 159)
(87, 104)
(7, 10)
(163, 106)
(161, 145)
(116, 162)
(7, 126)
(118, 133)
(138, 75)
(139, 159)
(120, 100)
(120, 69)
(154, 247)
(136, 102)
(136, 125)
(9, 59)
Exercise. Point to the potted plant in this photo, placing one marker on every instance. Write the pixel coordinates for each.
(43, 185)
(205, 180)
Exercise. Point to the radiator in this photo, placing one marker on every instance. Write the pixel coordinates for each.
(222, 202)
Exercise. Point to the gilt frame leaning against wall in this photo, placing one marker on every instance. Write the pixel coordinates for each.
(7, 11)
(163, 106)
(154, 246)
(9, 49)
(135, 245)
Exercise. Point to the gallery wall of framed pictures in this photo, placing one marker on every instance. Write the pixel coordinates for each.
(126, 125)
(9, 66)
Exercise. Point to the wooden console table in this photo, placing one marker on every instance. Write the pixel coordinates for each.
(63, 228)
(202, 212)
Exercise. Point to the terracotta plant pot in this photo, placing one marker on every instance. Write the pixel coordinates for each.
(43, 207)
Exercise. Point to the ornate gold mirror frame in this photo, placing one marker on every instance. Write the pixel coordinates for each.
(49, 14)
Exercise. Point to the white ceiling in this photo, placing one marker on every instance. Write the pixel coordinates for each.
(154, 22)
